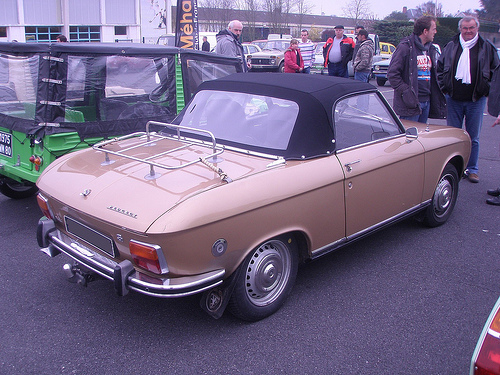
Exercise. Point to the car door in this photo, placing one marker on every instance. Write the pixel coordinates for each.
(383, 172)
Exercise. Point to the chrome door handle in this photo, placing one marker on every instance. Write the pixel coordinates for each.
(348, 165)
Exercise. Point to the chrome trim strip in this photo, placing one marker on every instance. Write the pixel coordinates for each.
(356, 236)
(164, 287)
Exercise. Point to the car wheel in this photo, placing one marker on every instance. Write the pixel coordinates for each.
(17, 190)
(264, 280)
(281, 67)
(444, 198)
(381, 81)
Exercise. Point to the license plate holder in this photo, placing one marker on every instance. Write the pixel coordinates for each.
(5, 144)
(91, 236)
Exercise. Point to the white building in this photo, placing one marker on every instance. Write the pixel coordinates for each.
(84, 20)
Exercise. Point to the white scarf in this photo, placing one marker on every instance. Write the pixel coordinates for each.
(463, 66)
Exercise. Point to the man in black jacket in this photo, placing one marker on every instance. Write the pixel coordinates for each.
(412, 74)
(494, 110)
(464, 71)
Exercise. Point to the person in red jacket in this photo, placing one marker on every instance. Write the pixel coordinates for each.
(338, 52)
(293, 58)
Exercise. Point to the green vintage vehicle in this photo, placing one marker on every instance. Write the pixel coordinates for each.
(57, 98)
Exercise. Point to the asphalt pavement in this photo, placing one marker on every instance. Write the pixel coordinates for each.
(407, 300)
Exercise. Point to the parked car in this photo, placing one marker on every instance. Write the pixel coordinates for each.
(380, 71)
(61, 97)
(387, 48)
(258, 173)
(486, 357)
(271, 58)
(248, 49)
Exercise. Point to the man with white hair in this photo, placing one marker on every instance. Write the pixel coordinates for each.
(228, 43)
(464, 71)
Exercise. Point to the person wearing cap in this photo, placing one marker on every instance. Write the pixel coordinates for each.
(363, 59)
(337, 52)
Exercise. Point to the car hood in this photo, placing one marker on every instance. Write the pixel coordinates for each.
(267, 53)
(122, 193)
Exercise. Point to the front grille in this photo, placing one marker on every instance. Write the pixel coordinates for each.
(262, 61)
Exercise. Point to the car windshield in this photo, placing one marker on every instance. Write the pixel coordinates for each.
(245, 119)
(279, 45)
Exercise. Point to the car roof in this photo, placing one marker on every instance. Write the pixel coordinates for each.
(315, 95)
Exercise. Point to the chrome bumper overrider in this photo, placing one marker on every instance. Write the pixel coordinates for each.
(123, 274)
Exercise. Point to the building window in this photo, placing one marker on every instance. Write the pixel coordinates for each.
(84, 33)
(42, 33)
(120, 30)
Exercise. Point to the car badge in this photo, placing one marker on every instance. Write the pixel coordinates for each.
(122, 211)
(86, 193)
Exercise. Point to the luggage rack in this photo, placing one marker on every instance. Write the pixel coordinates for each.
(153, 137)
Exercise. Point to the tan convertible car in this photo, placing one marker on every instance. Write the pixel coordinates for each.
(258, 173)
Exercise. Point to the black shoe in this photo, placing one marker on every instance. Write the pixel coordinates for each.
(494, 201)
(494, 192)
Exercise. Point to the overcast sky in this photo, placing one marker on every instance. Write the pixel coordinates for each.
(382, 8)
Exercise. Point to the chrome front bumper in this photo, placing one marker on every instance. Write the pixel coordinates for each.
(123, 274)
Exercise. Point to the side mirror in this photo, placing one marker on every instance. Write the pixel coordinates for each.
(411, 134)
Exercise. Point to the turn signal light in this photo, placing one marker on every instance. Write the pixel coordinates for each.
(149, 257)
(37, 161)
(43, 203)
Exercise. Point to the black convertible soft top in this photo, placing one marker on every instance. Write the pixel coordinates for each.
(315, 95)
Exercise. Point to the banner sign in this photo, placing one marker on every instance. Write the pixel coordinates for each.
(186, 24)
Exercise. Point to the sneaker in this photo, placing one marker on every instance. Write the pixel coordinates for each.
(473, 177)
(494, 201)
(493, 192)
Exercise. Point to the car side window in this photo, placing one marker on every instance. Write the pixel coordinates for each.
(361, 119)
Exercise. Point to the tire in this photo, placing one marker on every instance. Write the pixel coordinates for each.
(381, 81)
(444, 198)
(264, 279)
(281, 67)
(17, 190)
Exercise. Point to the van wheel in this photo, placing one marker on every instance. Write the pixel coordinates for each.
(17, 190)
(264, 279)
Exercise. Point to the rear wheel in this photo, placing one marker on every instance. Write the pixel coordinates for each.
(265, 278)
(17, 190)
(444, 198)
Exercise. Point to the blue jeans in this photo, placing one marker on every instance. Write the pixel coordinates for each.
(473, 113)
(425, 107)
(362, 76)
(337, 70)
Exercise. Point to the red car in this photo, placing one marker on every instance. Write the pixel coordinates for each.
(486, 357)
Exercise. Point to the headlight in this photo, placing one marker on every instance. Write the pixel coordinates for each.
(376, 67)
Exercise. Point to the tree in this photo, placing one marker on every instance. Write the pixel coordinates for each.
(490, 11)
(396, 16)
(393, 31)
(429, 9)
(357, 9)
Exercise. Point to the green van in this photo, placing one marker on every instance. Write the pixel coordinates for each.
(56, 98)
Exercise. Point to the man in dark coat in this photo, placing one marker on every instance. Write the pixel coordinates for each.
(494, 110)
(465, 69)
(412, 75)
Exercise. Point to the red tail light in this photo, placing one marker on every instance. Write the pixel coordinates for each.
(488, 359)
(44, 206)
(147, 256)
